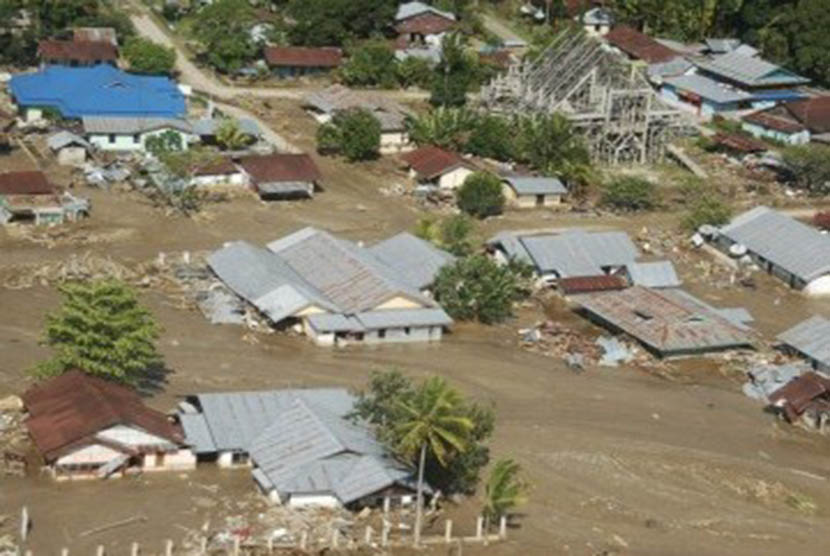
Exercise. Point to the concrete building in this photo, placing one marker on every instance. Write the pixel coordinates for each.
(29, 196)
(793, 123)
(219, 173)
(118, 134)
(794, 252)
(418, 23)
(440, 168)
(809, 339)
(300, 446)
(70, 149)
(85, 427)
(533, 192)
(335, 291)
(598, 21)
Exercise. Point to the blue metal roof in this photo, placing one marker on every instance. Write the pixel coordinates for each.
(778, 95)
(100, 90)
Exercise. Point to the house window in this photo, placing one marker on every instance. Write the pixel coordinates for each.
(406, 330)
(382, 333)
(137, 138)
(112, 138)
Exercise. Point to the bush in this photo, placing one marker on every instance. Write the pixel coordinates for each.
(328, 139)
(707, 210)
(477, 288)
(809, 166)
(145, 56)
(492, 137)
(481, 195)
(451, 234)
(353, 133)
(415, 72)
(372, 64)
(165, 142)
(629, 194)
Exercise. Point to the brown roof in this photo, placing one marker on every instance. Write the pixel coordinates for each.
(95, 34)
(586, 284)
(280, 167)
(739, 142)
(300, 56)
(774, 120)
(795, 396)
(74, 406)
(221, 167)
(427, 23)
(430, 162)
(812, 112)
(25, 183)
(639, 46)
(79, 51)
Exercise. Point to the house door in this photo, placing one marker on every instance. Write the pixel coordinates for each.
(540, 200)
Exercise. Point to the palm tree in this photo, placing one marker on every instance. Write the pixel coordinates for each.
(230, 135)
(504, 490)
(432, 421)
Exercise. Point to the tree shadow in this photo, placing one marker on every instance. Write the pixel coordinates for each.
(154, 380)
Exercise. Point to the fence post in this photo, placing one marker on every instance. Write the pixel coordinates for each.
(479, 527)
(134, 549)
(503, 527)
(448, 531)
(304, 539)
(168, 548)
(367, 538)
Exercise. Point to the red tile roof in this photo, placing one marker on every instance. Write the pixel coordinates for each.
(75, 406)
(772, 121)
(300, 56)
(430, 162)
(25, 183)
(79, 51)
(814, 113)
(587, 284)
(281, 167)
(427, 23)
(639, 46)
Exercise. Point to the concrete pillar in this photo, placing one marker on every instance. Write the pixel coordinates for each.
(203, 546)
(335, 538)
(270, 545)
(100, 550)
(134, 549)
(303, 540)
(384, 534)
(386, 504)
(236, 546)
(367, 537)
(168, 548)
(479, 527)
(448, 531)
(503, 527)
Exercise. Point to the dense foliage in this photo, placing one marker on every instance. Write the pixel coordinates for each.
(223, 28)
(373, 63)
(629, 193)
(101, 329)
(333, 22)
(230, 136)
(481, 195)
(145, 56)
(165, 142)
(455, 73)
(451, 234)
(353, 133)
(384, 404)
(504, 490)
(477, 288)
(707, 210)
(809, 167)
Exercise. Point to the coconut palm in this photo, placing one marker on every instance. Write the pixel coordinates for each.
(230, 135)
(432, 421)
(442, 127)
(504, 490)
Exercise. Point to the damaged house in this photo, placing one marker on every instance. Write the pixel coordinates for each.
(334, 290)
(668, 322)
(301, 447)
(809, 339)
(794, 252)
(805, 399)
(29, 196)
(85, 427)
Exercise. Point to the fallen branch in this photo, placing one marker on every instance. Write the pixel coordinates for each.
(113, 525)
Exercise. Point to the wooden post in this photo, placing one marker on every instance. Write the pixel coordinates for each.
(503, 527)
(203, 546)
(479, 527)
(304, 539)
(168, 548)
(386, 504)
(100, 550)
(448, 531)
(367, 537)
(384, 534)
(134, 549)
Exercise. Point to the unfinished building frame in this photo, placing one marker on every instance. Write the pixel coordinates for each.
(604, 96)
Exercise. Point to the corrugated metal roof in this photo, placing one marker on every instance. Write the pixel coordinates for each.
(401, 318)
(585, 284)
(797, 248)
(579, 253)
(810, 337)
(417, 261)
(65, 138)
(197, 433)
(208, 126)
(657, 274)
(666, 321)
(411, 9)
(707, 88)
(670, 68)
(302, 56)
(83, 51)
(750, 71)
(638, 45)
(335, 322)
(720, 46)
(109, 124)
(430, 162)
(335, 98)
(531, 185)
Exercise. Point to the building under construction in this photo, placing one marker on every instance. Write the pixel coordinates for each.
(603, 94)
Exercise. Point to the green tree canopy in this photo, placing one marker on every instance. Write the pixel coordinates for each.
(451, 234)
(333, 22)
(354, 133)
(492, 137)
(629, 193)
(481, 195)
(230, 136)
(415, 72)
(447, 128)
(477, 288)
(455, 73)
(504, 490)
(102, 329)
(223, 28)
(809, 167)
(551, 146)
(146, 56)
(371, 64)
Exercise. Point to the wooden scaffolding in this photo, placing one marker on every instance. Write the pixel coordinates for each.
(604, 95)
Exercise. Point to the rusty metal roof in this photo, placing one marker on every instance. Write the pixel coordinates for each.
(430, 162)
(281, 167)
(25, 183)
(795, 396)
(301, 56)
(640, 46)
(586, 284)
(79, 51)
(71, 407)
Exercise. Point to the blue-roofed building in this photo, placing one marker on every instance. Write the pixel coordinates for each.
(96, 91)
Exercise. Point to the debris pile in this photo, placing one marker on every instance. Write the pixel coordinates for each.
(554, 339)
(13, 438)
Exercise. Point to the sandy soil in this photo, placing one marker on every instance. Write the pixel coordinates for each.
(621, 462)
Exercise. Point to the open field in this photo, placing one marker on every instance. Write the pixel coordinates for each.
(621, 462)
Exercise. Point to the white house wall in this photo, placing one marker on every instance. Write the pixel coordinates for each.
(130, 436)
(129, 142)
(313, 500)
(394, 142)
(239, 180)
(454, 178)
(95, 454)
(180, 460)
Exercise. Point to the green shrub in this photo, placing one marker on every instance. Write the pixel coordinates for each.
(481, 195)
(629, 194)
(708, 209)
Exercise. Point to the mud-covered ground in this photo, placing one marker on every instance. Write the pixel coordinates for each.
(621, 461)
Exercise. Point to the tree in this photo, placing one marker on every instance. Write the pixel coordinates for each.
(629, 193)
(481, 195)
(415, 72)
(165, 142)
(102, 330)
(454, 73)
(223, 27)
(328, 138)
(551, 146)
(230, 136)
(432, 420)
(503, 491)
(451, 233)
(443, 127)
(492, 137)
(477, 288)
(372, 64)
(809, 166)
(333, 22)
(145, 56)
(710, 210)
(355, 133)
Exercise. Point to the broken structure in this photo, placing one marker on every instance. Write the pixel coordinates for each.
(605, 97)
(809, 339)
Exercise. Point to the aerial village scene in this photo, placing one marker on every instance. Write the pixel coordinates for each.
(384, 277)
